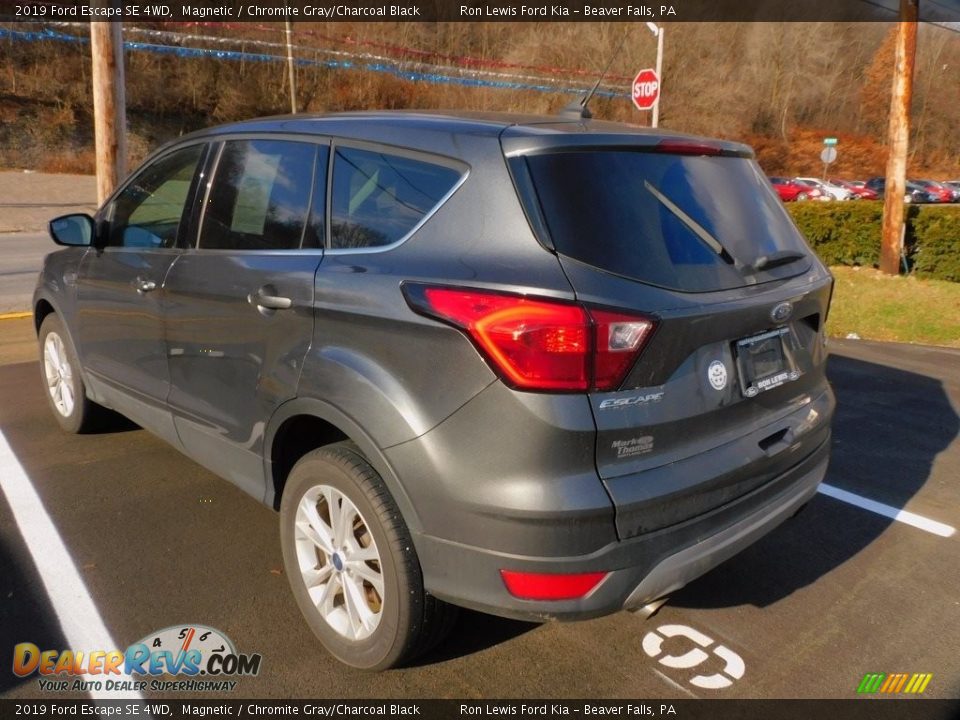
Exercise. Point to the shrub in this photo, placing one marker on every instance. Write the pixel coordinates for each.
(842, 233)
(934, 237)
(848, 233)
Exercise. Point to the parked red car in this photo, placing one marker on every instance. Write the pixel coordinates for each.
(939, 191)
(789, 190)
(857, 188)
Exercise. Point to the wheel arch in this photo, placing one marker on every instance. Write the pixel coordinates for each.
(41, 308)
(304, 424)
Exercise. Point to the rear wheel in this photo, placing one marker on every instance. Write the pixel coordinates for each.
(802, 196)
(351, 562)
(60, 371)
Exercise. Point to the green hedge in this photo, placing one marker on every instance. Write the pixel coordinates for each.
(848, 233)
(933, 237)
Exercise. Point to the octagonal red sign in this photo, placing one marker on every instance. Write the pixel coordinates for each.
(646, 89)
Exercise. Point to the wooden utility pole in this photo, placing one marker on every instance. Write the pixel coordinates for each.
(291, 70)
(109, 105)
(898, 138)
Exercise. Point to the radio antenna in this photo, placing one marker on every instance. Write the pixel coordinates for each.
(579, 108)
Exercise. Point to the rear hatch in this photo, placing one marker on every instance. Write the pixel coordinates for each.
(729, 391)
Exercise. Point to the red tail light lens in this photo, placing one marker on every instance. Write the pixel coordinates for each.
(534, 343)
(538, 344)
(550, 586)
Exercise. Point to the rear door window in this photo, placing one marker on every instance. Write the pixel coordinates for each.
(686, 222)
(260, 196)
(379, 198)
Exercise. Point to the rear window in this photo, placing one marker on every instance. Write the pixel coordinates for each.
(685, 222)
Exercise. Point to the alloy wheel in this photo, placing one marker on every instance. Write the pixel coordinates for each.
(339, 562)
(59, 374)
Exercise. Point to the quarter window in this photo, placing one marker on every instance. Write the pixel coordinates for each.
(379, 198)
(260, 196)
(148, 212)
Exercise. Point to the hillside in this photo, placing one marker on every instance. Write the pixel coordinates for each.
(779, 87)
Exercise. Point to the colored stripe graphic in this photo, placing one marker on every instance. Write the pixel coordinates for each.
(914, 684)
(918, 683)
(870, 682)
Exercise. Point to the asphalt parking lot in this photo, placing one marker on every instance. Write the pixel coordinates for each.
(837, 592)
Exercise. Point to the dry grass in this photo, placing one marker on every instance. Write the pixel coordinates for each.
(901, 309)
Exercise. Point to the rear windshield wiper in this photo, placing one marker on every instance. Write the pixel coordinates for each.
(696, 228)
(781, 257)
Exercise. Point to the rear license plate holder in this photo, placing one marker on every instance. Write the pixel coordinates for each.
(763, 362)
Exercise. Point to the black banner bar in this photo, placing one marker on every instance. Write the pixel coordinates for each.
(854, 709)
(468, 10)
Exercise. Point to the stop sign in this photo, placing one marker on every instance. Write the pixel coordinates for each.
(646, 89)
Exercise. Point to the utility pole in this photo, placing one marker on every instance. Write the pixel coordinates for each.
(109, 105)
(290, 70)
(898, 139)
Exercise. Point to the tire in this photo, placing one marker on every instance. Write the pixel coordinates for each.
(60, 372)
(366, 604)
(802, 196)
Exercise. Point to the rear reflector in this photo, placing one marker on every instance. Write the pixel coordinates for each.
(540, 344)
(549, 586)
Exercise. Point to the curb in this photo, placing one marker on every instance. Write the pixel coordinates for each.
(15, 315)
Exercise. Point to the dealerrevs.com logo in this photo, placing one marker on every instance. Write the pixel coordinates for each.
(203, 655)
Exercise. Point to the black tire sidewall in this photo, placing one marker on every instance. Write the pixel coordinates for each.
(74, 421)
(386, 645)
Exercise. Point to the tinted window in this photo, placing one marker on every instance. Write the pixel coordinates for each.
(679, 221)
(147, 212)
(379, 198)
(260, 196)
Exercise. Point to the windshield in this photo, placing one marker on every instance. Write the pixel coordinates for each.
(686, 222)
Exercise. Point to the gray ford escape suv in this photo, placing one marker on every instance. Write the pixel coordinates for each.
(543, 368)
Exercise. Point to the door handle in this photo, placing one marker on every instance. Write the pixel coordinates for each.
(144, 286)
(271, 302)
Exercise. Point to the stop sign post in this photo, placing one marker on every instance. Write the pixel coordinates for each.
(646, 89)
(828, 154)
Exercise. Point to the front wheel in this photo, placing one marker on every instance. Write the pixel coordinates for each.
(351, 562)
(64, 386)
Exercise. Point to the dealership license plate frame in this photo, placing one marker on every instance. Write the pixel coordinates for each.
(764, 362)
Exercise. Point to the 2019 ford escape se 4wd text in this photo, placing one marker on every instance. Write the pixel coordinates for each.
(543, 368)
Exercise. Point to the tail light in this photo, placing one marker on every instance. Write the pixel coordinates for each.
(539, 344)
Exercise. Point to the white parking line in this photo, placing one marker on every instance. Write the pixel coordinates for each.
(898, 514)
(82, 626)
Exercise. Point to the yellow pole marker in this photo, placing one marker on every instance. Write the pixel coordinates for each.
(15, 315)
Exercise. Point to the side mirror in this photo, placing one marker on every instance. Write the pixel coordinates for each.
(72, 230)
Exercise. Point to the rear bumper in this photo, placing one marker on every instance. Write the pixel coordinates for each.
(641, 569)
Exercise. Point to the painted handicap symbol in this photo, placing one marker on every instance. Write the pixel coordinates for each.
(734, 667)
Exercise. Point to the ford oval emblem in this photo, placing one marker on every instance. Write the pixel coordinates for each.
(782, 312)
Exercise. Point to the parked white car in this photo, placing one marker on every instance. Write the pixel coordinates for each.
(834, 192)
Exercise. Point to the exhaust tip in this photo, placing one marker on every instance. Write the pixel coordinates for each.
(649, 610)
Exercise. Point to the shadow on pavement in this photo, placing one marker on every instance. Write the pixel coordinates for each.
(472, 633)
(889, 428)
